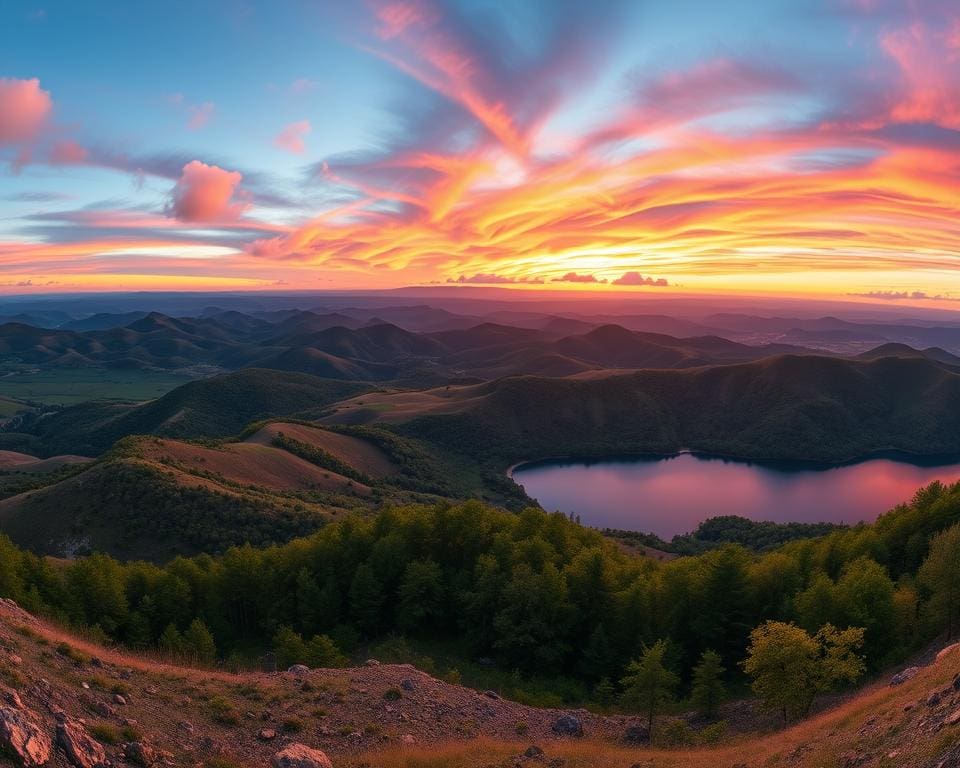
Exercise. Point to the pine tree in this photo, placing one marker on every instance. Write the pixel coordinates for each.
(199, 643)
(598, 658)
(648, 684)
(366, 600)
(940, 574)
(171, 641)
(708, 688)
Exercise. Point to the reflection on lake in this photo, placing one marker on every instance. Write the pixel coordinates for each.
(667, 496)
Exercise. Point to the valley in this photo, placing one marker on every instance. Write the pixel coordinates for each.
(374, 500)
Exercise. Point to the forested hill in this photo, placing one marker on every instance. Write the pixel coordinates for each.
(789, 407)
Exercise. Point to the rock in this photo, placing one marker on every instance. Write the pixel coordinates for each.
(371, 663)
(185, 725)
(901, 677)
(12, 698)
(567, 725)
(407, 739)
(103, 709)
(118, 699)
(138, 753)
(299, 670)
(81, 750)
(637, 734)
(22, 736)
(491, 694)
(933, 699)
(151, 690)
(407, 684)
(953, 718)
(300, 756)
(15, 660)
(533, 752)
(266, 734)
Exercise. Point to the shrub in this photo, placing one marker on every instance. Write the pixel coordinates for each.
(223, 711)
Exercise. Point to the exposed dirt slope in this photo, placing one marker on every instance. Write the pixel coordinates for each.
(380, 715)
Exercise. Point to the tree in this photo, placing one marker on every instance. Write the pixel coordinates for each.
(171, 641)
(531, 627)
(199, 643)
(649, 684)
(790, 667)
(598, 657)
(864, 596)
(323, 652)
(366, 600)
(708, 688)
(940, 574)
(421, 596)
(289, 647)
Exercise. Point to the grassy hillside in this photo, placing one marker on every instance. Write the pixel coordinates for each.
(154, 498)
(215, 407)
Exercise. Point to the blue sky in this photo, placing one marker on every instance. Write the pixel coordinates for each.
(388, 142)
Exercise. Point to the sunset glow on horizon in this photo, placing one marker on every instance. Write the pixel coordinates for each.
(795, 148)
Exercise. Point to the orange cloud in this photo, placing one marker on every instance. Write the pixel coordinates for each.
(291, 138)
(205, 193)
(24, 109)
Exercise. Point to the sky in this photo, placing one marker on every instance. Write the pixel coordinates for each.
(796, 147)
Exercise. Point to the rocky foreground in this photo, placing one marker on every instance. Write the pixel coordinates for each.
(67, 703)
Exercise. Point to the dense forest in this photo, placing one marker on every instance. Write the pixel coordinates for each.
(534, 592)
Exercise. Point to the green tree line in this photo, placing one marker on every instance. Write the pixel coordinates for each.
(536, 592)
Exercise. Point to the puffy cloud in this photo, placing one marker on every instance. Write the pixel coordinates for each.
(491, 278)
(292, 136)
(68, 153)
(205, 193)
(635, 278)
(24, 108)
(578, 277)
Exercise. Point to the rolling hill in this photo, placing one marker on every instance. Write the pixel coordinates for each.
(216, 407)
(787, 407)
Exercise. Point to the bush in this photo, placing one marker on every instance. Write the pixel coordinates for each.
(223, 711)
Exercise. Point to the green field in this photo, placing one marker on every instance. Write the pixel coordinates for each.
(69, 386)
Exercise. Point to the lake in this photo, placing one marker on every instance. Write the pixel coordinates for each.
(672, 495)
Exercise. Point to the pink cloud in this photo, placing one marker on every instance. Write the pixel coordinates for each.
(635, 278)
(292, 136)
(24, 108)
(68, 153)
(205, 192)
(930, 90)
(200, 115)
(578, 277)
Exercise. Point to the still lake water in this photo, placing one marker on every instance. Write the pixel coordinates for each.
(667, 496)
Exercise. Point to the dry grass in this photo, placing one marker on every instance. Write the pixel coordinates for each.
(872, 723)
(359, 454)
